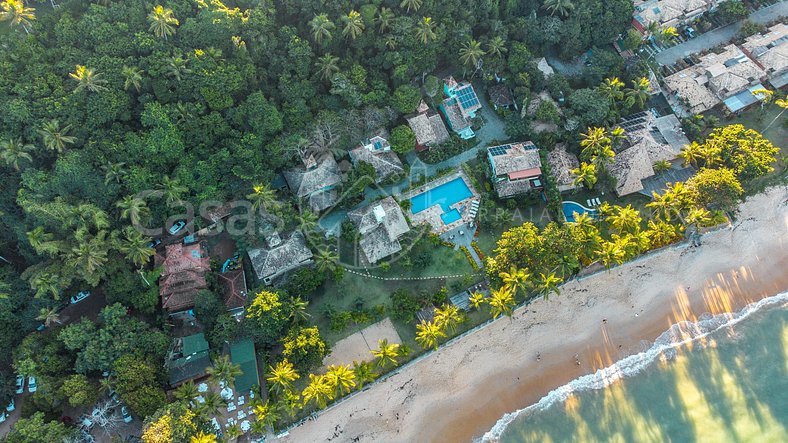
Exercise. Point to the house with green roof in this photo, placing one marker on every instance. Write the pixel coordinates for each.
(242, 353)
(188, 359)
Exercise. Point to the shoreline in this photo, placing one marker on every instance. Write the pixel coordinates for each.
(459, 392)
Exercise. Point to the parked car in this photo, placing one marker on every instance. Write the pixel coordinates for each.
(11, 406)
(81, 295)
(31, 384)
(177, 226)
(2, 417)
(126, 416)
(114, 397)
(20, 384)
(153, 243)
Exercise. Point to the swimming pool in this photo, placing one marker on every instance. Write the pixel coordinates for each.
(445, 196)
(570, 207)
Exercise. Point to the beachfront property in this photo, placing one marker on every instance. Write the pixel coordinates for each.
(501, 97)
(183, 276)
(279, 256)
(516, 168)
(647, 139)
(377, 152)
(315, 181)
(444, 204)
(428, 127)
(562, 162)
(770, 51)
(380, 225)
(188, 359)
(460, 106)
(668, 12)
(728, 77)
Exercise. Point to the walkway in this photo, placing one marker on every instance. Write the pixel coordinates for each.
(438, 277)
(720, 36)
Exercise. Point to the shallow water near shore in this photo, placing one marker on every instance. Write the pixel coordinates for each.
(720, 378)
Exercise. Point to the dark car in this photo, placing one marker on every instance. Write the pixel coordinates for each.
(153, 243)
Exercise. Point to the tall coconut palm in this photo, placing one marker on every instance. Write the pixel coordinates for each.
(364, 373)
(172, 189)
(162, 22)
(186, 392)
(691, 153)
(585, 175)
(136, 248)
(88, 80)
(501, 301)
(612, 89)
(132, 77)
(262, 197)
(560, 7)
(56, 138)
(425, 30)
(44, 283)
(354, 25)
(610, 253)
(319, 391)
(411, 4)
(476, 300)
(547, 283)
(593, 142)
(428, 334)
(666, 35)
(639, 93)
(515, 279)
(448, 317)
(664, 205)
(89, 257)
(496, 47)
(297, 310)
(282, 376)
(307, 221)
(470, 53)
(342, 378)
(326, 260)
(224, 370)
(177, 67)
(625, 219)
(384, 19)
(48, 316)
(386, 353)
(617, 136)
(212, 403)
(15, 153)
(114, 172)
(17, 14)
(327, 66)
(661, 233)
(134, 209)
(322, 28)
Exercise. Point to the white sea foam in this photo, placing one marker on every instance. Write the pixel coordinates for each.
(678, 335)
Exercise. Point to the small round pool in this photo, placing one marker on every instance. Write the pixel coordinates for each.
(570, 208)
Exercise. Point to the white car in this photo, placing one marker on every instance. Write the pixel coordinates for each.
(81, 295)
(126, 416)
(177, 226)
(31, 385)
(11, 406)
(20, 384)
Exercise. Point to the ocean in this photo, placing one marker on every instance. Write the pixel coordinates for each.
(722, 378)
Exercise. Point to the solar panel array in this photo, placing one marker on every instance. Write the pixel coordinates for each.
(468, 98)
(499, 150)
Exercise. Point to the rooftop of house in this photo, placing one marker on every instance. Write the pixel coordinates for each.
(500, 95)
(428, 126)
(668, 12)
(386, 163)
(658, 183)
(464, 96)
(515, 160)
(183, 275)
(188, 358)
(242, 353)
(310, 183)
(454, 115)
(770, 49)
(562, 162)
(234, 289)
(380, 224)
(629, 168)
(276, 258)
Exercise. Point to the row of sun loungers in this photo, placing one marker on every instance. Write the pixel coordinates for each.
(593, 202)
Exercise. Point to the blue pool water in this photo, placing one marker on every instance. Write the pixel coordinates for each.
(570, 207)
(444, 195)
(451, 216)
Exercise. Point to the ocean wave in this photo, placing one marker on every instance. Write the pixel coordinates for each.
(676, 336)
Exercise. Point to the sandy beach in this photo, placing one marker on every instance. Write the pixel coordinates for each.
(460, 391)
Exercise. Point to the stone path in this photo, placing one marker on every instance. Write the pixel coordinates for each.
(441, 277)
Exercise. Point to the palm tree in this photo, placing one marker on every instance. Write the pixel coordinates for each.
(476, 300)
(666, 34)
(297, 310)
(307, 221)
(45, 283)
(48, 316)
(136, 248)
(212, 403)
(327, 66)
(617, 136)
(132, 76)
(546, 284)
(691, 153)
(496, 47)
(187, 392)
(223, 370)
(470, 53)
(639, 93)
(342, 378)
(661, 233)
(428, 334)
(172, 189)
(665, 205)
(501, 302)
(611, 88)
(448, 317)
(384, 19)
(233, 432)
(593, 142)
(626, 219)
(178, 67)
(386, 353)
(318, 390)
(425, 30)
(133, 208)
(698, 217)
(610, 253)
(515, 280)
(561, 7)
(411, 4)
(15, 12)
(202, 437)
(354, 25)
(326, 260)
(322, 28)
(15, 153)
(88, 80)
(262, 197)
(114, 172)
(661, 166)
(162, 22)
(282, 376)
(54, 137)
(364, 373)
(585, 175)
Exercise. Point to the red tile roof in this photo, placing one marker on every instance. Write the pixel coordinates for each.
(183, 276)
(234, 285)
(533, 172)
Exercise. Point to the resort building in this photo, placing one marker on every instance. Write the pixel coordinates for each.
(460, 107)
(501, 97)
(668, 12)
(188, 359)
(279, 257)
(516, 168)
(380, 225)
(377, 152)
(315, 182)
(183, 276)
(729, 76)
(770, 52)
(562, 162)
(234, 291)
(428, 127)
(243, 354)
(648, 140)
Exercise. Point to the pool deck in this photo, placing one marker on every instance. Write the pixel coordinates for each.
(432, 215)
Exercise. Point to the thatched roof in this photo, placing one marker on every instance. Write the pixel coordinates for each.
(311, 183)
(273, 262)
(385, 163)
(561, 163)
(380, 224)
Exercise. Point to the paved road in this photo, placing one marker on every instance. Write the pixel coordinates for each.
(720, 36)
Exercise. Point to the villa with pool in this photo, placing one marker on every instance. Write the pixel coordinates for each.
(446, 203)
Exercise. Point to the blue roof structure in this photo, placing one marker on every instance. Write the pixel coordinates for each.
(743, 99)
(467, 97)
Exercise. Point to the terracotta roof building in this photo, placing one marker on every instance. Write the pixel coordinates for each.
(516, 168)
(183, 276)
(380, 225)
(428, 127)
(234, 290)
(279, 257)
(315, 182)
